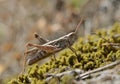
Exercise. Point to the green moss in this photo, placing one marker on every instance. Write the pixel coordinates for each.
(89, 66)
(78, 65)
(91, 54)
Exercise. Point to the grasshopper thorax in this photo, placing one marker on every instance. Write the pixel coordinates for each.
(72, 37)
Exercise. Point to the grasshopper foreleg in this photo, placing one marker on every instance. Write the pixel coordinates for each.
(53, 58)
(70, 47)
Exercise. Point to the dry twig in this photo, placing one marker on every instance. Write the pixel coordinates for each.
(98, 69)
(79, 73)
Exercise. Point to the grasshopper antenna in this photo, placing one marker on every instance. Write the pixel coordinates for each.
(79, 25)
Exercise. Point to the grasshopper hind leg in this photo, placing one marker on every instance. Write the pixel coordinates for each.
(25, 58)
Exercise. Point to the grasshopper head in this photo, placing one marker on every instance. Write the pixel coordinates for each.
(72, 37)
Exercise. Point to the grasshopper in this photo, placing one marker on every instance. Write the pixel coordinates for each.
(48, 48)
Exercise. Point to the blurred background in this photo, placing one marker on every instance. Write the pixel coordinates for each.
(20, 19)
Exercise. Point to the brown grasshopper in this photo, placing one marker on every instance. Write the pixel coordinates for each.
(47, 48)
